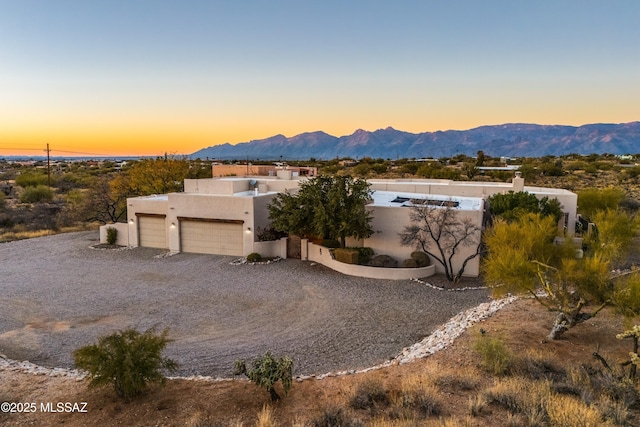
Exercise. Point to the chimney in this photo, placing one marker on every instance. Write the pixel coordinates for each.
(518, 182)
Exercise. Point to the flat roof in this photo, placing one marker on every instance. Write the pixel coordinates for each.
(402, 199)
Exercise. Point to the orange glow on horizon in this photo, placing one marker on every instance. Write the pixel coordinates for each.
(184, 137)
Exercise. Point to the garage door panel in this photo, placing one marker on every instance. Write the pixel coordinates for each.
(152, 232)
(211, 237)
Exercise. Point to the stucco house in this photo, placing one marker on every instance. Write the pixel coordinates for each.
(222, 215)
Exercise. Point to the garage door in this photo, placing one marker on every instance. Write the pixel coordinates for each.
(152, 232)
(203, 237)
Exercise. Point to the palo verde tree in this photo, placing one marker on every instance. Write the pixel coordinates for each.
(525, 256)
(440, 232)
(161, 175)
(330, 207)
(592, 200)
(106, 200)
(127, 359)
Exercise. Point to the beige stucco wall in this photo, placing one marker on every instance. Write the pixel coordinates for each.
(148, 205)
(210, 207)
(216, 186)
(123, 233)
(272, 248)
(390, 221)
(230, 186)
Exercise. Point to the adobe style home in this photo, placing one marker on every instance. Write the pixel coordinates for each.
(223, 215)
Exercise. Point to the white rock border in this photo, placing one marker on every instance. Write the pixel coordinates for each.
(440, 339)
(243, 261)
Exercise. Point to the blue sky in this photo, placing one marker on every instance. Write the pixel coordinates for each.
(147, 77)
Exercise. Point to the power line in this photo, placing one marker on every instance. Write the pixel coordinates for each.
(56, 151)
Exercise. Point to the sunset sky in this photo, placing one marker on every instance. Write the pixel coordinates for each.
(145, 77)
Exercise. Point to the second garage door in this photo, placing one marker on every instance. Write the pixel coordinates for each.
(207, 237)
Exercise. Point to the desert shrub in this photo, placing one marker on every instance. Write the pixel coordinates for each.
(254, 257)
(346, 255)
(364, 255)
(268, 234)
(421, 258)
(616, 412)
(538, 365)
(464, 379)
(477, 404)
(615, 386)
(112, 235)
(6, 221)
(383, 261)
(31, 179)
(369, 394)
(495, 356)
(519, 395)
(39, 193)
(335, 417)
(127, 359)
(330, 243)
(409, 263)
(419, 397)
(266, 371)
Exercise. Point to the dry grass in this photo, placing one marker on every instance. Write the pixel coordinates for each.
(21, 233)
(266, 417)
(567, 411)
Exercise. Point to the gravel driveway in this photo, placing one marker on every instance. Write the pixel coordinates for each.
(57, 293)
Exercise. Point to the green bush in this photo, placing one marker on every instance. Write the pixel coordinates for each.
(254, 257)
(127, 359)
(31, 179)
(39, 193)
(496, 357)
(112, 235)
(422, 259)
(409, 263)
(364, 255)
(266, 371)
(347, 255)
(330, 243)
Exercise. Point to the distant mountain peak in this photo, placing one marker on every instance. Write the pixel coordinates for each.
(508, 139)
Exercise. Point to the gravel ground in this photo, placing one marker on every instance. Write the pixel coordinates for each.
(57, 294)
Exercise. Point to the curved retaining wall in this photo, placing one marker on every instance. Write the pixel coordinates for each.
(322, 256)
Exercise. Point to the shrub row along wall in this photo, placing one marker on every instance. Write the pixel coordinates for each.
(321, 255)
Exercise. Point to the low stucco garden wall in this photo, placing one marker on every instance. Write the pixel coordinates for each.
(321, 255)
(274, 248)
(123, 233)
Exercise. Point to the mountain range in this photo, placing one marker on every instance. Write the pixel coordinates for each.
(511, 140)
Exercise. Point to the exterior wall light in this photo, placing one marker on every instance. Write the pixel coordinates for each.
(248, 230)
(131, 221)
(173, 225)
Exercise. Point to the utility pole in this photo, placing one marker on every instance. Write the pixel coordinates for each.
(48, 167)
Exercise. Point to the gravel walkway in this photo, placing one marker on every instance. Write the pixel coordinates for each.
(56, 294)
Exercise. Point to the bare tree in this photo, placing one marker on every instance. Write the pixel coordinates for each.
(438, 231)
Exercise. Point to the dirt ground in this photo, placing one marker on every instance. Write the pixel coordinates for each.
(522, 325)
(57, 294)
